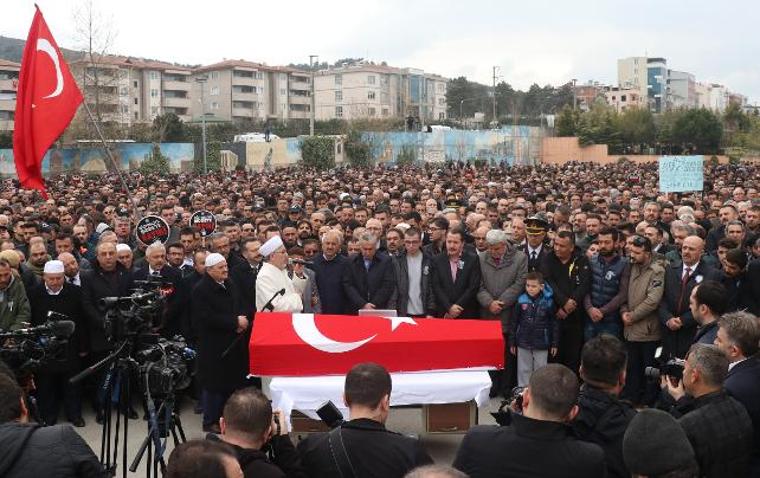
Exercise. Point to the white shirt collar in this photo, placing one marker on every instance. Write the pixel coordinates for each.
(691, 268)
(537, 250)
(152, 271)
(733, 364)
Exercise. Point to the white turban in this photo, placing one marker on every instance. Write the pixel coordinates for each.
(214, 259)
(53, 267)
(274, 243)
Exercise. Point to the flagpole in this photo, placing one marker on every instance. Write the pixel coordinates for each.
(132, 203)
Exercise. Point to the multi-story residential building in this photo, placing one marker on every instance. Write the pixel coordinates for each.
(366, 90)
(633, 75)
(682, 90)
(128, 90)
(8, 86)
(586, 95)
(624, 98)
(239, 90)
(657, 84)
(712, 96)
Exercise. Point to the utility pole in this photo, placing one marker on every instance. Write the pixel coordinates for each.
(575, 95)
(495, 68)
(201, 80)
(311, 116)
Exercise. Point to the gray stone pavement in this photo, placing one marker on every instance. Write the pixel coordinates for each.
(442, 447)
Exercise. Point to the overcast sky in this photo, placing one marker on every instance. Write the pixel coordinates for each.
(538, 41)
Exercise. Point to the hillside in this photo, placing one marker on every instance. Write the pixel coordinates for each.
(11, 49)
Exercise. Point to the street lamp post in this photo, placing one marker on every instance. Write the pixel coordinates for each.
(201, 80)
(575, 95)
(311, 116)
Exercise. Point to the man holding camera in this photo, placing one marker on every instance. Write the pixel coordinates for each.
(718, 426)
(253, 430)
(538, 442)
(362, 447)
(56, 296)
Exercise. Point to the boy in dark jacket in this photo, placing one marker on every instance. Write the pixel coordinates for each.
(534, 330)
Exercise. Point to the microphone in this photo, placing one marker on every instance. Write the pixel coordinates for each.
(58, 328)
(269, 306)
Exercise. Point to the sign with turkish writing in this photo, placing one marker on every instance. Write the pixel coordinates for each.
(284, 344)
(151, 229)
(681, 173)
(204, 221)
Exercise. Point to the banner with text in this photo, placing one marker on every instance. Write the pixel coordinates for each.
(681, 173)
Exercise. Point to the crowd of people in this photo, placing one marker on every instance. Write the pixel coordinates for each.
(594, 275)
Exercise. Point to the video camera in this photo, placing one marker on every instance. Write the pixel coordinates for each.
(137, 313)
(513, 404)
(166, 365)
(672, 368)
(27, 350)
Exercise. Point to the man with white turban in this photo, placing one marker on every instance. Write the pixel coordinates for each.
(273, 279)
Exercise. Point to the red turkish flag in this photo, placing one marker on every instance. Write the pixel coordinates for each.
(284, 344)
(47, 99)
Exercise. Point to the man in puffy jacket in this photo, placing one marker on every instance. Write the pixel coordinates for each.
(27, 449)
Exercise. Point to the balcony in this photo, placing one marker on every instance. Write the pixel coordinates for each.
(6, 125)
(244, 96)
(299, 100)
(8, 85)
(243, 112)
(7, 105)
(176, 86)
(299, 114)
(176, 102)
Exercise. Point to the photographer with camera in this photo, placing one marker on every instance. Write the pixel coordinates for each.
(362, 447)
(718, 426)
(602, 417)
(14, 304)
(27, 449)
(254, 431)
(54, 297)
(537, 443)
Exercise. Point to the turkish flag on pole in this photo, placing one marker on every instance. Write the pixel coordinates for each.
(284, 344)
(46, 102)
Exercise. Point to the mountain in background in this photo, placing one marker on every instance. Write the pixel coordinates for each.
(11, 49)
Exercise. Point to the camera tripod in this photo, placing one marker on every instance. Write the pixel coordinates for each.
(161, 422)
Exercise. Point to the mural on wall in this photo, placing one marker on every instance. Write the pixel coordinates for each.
(129, 156)
(520, 145)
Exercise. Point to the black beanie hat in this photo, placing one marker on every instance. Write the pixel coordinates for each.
(655, 443)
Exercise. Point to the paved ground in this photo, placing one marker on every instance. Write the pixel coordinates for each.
(442, 447)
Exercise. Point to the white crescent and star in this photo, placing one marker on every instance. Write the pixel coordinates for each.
(45, 46)
(307, 330)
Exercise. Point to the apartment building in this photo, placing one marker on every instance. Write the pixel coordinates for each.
(369, 91)
(127, 90)
(681, 90)
(633, 75)
(624, 98)
(8, 86)
(240, 90)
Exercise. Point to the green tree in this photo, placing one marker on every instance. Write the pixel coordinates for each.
(357, 150)
(637, 128)
(6, 139)
(318, 152)
(698, 131)
(170, 128)
(213, 157)
(566, 123)
(407, 156)
(155, 162)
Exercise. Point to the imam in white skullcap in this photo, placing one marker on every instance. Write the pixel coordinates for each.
(274, 243)
(53, 267)
(122, 248)
(214, 259)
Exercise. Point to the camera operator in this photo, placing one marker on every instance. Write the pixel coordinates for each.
(538, 443)
(218, 311)
(718, 426)
(362, 445)
(738, 337)
(252, 429)
(107, 278)
(157, 269)
(14, 304)
(55, 295)
(603, 418)
(27, 449)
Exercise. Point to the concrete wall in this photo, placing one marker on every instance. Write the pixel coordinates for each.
(563, 150)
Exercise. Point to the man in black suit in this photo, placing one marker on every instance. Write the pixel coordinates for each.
(244, 275)
(52, 381)
(538, 442)
(456, 279)
(156, 268)
(738, 337)
(534, 247)
(368, 279)
(370, 450)
(677, 321)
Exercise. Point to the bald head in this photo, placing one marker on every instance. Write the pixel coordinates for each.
(691, 250)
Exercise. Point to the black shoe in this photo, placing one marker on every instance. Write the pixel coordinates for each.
(79, 422)
(99, 418)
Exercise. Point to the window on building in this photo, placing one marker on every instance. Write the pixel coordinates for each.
(214, 90)
(214, 105)
(384, 98)
(153, 75)
(370, 95)
(214, 75)
(123, 91)
(338, 79)
(338, 95)
(135, 100)
(371, 79)
(385, 111)
(371, 111)
(136, 115)
(153, 93)
(622, 97)
(441, 101)
(440, 86)
(441, 116)
(613, 98)
(339, 112)
(125, 108)
(134, 84)
(154, 110)
(283, 91)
